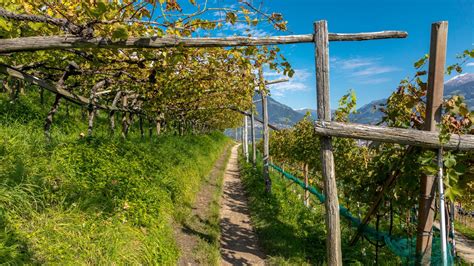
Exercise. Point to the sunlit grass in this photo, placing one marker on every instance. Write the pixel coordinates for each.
(100, 200)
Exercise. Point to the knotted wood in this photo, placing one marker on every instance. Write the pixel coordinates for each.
(66, 42)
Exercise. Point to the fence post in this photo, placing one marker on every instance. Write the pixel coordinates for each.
(333, 240)
(263, 93)
(246, 139)
(252, 125)
(434, 98)
(306, 192)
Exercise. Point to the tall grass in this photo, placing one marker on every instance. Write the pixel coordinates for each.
(100, 200)
(293, 234)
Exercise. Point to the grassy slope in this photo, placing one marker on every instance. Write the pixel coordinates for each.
(292, 234)
(466, 230)
(93, 201)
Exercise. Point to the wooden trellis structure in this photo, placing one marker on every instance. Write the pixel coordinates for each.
(324, 127)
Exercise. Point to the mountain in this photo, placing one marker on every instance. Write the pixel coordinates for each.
(462, 84)
(284, 116)
(279, 114)
(369, 113)
(312, 112)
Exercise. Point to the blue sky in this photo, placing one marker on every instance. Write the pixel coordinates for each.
(372, 68)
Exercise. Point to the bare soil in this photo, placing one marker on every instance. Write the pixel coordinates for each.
(189, 233)
(239, 245)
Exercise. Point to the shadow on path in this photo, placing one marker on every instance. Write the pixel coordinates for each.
(238, 241)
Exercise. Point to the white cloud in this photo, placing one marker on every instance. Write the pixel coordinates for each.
(470, 64)
(353, 63)
(373, 70)
(374, 80)
(241, 28)
(363, 70)
(299, 82)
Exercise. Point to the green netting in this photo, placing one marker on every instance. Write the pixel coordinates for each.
(405, 248)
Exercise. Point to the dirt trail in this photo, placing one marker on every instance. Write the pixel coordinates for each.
(464, 246)
(195, 228)
(238, 241)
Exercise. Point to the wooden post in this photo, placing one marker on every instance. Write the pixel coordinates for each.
(246, 139)
(124, 116)
(333, 240)
(252, 128)
(263, 93)
(437, 61)
(306, 192)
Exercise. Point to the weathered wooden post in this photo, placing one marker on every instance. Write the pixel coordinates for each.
(246, 139)
(252, 125)
(333, 240)
(306, 192)
(263, 93)
(437, 61)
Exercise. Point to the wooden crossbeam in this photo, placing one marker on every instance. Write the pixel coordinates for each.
(413, 137)
(66, 42)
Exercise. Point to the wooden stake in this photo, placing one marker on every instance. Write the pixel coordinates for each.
(306, 192)
(263, 93)
(439, 34)
(252, 126)
(333, 240)
(246, 139)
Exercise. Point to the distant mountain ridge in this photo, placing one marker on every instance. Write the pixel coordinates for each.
(462, 84)
(279, 114)
(284, 116)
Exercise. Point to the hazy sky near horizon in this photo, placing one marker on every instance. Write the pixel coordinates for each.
(372, 68)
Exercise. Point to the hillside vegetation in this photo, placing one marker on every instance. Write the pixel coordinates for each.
(93, 200)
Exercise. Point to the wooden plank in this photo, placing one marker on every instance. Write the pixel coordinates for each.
(333, 239)
(437, 62)
(402, 136)
(66, 42)
(270, 82)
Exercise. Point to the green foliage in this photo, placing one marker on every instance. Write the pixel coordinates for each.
(289, 232)
(362, 168)
(182, 85)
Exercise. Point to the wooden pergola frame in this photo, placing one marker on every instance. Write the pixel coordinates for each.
(324, 127)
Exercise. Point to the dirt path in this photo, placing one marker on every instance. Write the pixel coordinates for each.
(238, 241)
(464, 248)
(195, 228)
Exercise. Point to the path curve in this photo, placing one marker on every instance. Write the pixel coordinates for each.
(239, 245)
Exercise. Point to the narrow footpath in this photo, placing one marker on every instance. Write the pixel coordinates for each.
(239, 245)
(464, 246)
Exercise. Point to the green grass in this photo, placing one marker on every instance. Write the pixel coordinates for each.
(292, 234)
(467, 231)
(208, 249)
(100, 200)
